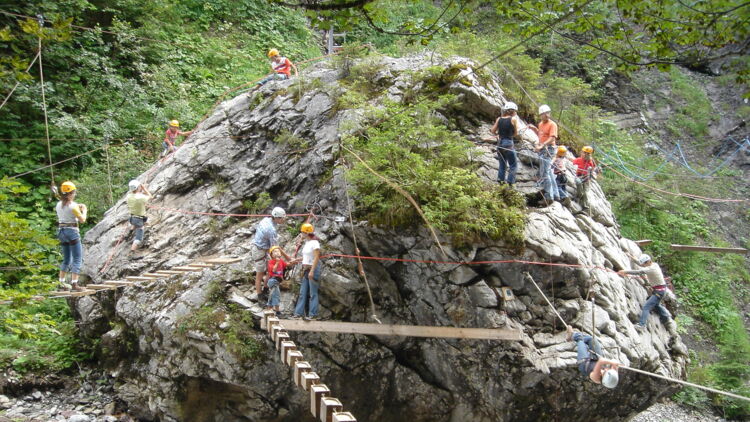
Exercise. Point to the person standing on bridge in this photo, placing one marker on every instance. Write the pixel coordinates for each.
(265, 237)
(590, 363)
(281, 66)
(170, 137)
(653, 274)
(311, 269)
(69, 215)
(546, 148)
(137, 197)
(506, 128)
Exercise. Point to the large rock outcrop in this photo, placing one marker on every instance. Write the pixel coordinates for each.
(171, 365)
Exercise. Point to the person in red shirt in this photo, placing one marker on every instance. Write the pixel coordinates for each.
(281, 66)
(586, 170)
(274, 277)
(170, 138)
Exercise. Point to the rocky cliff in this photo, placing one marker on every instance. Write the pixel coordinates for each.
(185, 348)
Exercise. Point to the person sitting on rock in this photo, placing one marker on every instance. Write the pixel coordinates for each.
(276, 268)
(586, 170)
(281, 67)
(170, 137)
(600, 371)
(655, 278)
(560, 172)
(265, 237)
(506, 128)
(137, 197)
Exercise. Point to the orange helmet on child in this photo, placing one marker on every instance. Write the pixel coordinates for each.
(561, 151)
(307, 228)
(588, 149)
(273, 53)
(67, 187)
(273, 248)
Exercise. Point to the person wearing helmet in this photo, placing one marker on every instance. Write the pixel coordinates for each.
(506, 128)
(546, 147)
(275, 276)
(170, 138)
(137, 197)
(655, 278)
(586, 170)
(69, 215)
(601, 371)
(265, 237)
(311, 268)
(560, 171)
(281, 67)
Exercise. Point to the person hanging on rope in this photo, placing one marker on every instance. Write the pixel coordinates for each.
(590, 363)
(311, 270)
(561, 174)
(69, 215)
(138, 195)
(506, 128)
(586, 170)
(265, 237)
(281, 66)
(655, 278)
(546, 148)
(170, 138)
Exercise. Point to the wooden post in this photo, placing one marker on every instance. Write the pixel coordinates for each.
(264, 321)
(309, 379)
(293, 356)
(317, 392)
(329, 405)
(343, 417)
(286, 347)
(300, 367)
(280, 337)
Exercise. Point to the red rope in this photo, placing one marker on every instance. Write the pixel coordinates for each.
(180, 211)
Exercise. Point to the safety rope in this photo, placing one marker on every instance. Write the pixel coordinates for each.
(125, 231)
(528, 276)
(109, 176)
(57, 163)
(360, 266)
(44, 107)
(7, 97)
(219, 214)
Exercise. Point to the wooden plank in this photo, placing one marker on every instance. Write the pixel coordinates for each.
(400, 330)
(201, 265)
(153, 275)
(186, 269)
(709, 249)
(222, 260)
(118, 283)
(100, 286)
(72, 293)
(136, 278)
(643, 242)
(168, 272)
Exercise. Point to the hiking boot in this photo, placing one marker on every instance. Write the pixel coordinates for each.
(311, 318)
(75, 287)
(63, 286)
(295, 316)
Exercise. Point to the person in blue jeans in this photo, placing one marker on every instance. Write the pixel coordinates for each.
(590, 363)
(506, 128)
(655, 278)
(69, 215)
(311, 268)
(546, 148)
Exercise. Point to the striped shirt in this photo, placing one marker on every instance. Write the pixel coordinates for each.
(265, 234)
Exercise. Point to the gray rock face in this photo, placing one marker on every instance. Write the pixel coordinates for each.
(167, 370)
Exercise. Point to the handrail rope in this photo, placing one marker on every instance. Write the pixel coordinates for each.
(217, 214)
(7, 97)
(44, 107)
(690, 196)
(147, 137)
(57, 163)
(360, 266)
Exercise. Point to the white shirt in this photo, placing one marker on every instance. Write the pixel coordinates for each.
(308, 251)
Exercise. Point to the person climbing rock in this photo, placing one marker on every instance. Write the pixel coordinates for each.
(561, 174)
(281, 66)
(69, 215)
(506, 128)
(586, 170)
(265, 237)
(589, 352)
(275, 275)
(546, 148)
(655, 278)
(170, 137)
(137, 197)
(311, 269)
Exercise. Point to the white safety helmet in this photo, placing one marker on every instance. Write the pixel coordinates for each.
(510, 105)
(278, 212)
(134, 184)
(544, 108)
(610, 378)
(643, 259)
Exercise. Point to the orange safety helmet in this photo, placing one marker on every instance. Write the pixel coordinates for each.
(273, 248)
(588, 149)
(67, 187)
(307, 228)
(273, 53)
(561, 151)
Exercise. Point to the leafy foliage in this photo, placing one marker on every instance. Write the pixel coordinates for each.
(414, 149)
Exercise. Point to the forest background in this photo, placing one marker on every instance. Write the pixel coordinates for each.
(115, 72)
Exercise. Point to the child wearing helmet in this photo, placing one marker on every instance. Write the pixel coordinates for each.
(170, 137)
(586, 170)
(600, 371)
(652, 271)
(137, 197)
(69, 215)
(275, 275)
(560, 172)
(265, 238)
(311, 267)
(281, 67)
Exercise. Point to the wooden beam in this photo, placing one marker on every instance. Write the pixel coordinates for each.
(186, 269)
(643, 242)
(222, 260)
(118, 283)
(201, 265)
(708, 249)
(400, 330)
(136, 278)
(100, 286)
(168, 272)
